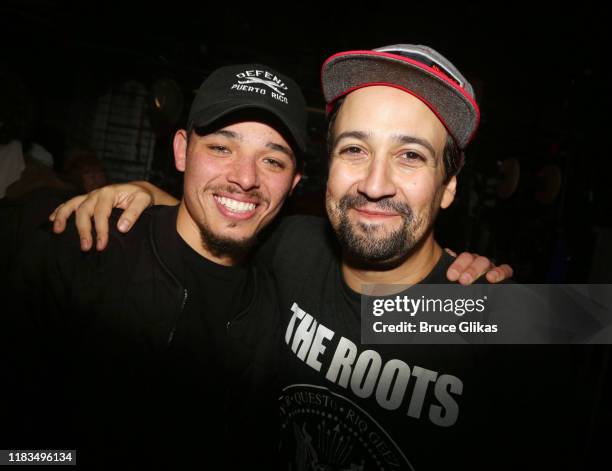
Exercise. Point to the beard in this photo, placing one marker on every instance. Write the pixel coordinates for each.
(217, 244)
(370, 244)
(236, 249)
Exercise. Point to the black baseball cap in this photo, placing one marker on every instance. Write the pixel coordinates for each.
(418, 70)
(251, 88)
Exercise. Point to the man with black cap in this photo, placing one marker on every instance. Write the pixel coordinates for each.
(146, 353)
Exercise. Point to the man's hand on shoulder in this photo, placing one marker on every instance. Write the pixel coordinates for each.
(98, 204)
(468, 267)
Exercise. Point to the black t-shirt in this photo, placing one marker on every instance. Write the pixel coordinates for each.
(215, 295)
(197, 372)
(345, 405)
(222, 364)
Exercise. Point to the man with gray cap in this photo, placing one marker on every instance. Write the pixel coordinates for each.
(147, 353)
(400, 118)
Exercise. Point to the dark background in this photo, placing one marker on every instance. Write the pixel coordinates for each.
(540, 74)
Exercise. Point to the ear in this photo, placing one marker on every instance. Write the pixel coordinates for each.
(296, 179)
(449, 193)
(180, 149)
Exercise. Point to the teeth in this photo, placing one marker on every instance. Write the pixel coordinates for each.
(235, 206)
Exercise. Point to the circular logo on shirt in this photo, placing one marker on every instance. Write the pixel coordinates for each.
(322, 430)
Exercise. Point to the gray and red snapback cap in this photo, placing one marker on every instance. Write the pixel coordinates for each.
(251, 87)
(418, 70)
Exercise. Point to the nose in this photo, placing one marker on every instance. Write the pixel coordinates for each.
(377, 182)
(244, 173)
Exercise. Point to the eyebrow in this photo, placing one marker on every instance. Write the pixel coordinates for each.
(405, 139)
(402, 138)
(270, 145)
(354, 134)
(280, 148)
(228, 134)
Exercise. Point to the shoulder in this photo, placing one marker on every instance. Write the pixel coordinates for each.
(296, 228)
(438, 273)
(158, 220)
(63, 251)
(296, 237)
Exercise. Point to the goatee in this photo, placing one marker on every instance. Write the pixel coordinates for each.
(226, 247)
(367, 243)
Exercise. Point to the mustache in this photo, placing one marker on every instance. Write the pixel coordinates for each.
(385, 204)
(237, 191)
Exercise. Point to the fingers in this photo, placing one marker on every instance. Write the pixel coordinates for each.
(98, 205)
(477, 268)
(101, 214)
(467, 268)
(134, 206)
(60, 215)
(54, 213)
(501, 273)
(458, 266)
(83, 223)
(58, 225)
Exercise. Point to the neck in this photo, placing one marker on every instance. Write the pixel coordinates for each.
(190, 233)
(410, 271)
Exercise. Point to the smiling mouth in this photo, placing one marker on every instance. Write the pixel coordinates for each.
(373, 213)
(235, 206)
